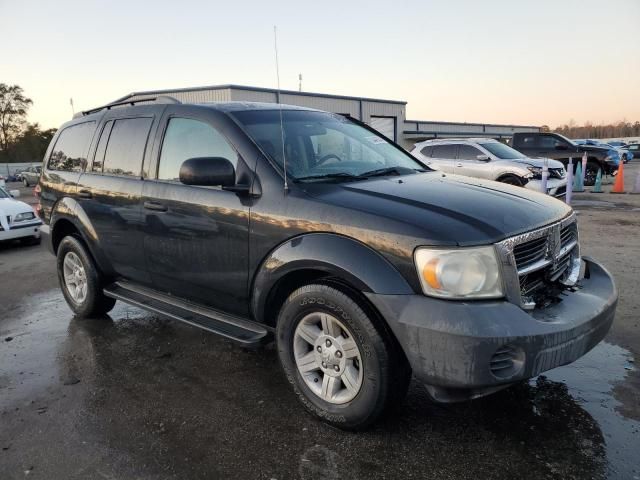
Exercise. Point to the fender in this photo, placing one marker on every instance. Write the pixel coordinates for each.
(337, 255)
(69, 209)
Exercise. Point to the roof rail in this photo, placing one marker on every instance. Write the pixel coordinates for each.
(158, 99)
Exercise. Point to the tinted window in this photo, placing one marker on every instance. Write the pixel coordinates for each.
(545, 141)
(467, 152)
(445, 151)
(427, 151)
(634, 148)
(98, 159)
(125, 148)
(186, 138)
(527, 142)
(70, 151)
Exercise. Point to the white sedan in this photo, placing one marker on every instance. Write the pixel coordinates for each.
(17, 219)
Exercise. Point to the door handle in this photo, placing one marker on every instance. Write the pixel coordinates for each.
(155, 206)
(85, 194)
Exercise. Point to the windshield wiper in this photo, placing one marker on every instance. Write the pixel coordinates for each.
(329, 176)
(389, 171)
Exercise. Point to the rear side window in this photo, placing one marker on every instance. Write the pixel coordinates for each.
(526, 142)
(186, 138)
(467, 152)
(445, 151)
(125, 146)
(70, 151)
(427, 151)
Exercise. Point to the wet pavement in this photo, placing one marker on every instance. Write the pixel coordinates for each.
(134, 395)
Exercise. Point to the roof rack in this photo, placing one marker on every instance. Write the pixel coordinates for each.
(158, 99)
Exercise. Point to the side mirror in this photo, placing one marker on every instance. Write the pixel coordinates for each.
(208, 171)
(483, 158)
(14, 193)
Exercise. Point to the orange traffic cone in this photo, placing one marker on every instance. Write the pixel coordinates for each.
(618, 185)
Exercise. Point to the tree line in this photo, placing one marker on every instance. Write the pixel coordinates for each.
(589, 130)
(20, 141)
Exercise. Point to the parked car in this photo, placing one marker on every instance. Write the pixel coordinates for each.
(17, 219)
(634, 149)
(260, 221)
(558, 147)
(623, 152)
(31, 175)
(491, 160)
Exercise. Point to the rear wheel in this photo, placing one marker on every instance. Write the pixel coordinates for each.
(591, 172)
(80, 280)
(343, 368)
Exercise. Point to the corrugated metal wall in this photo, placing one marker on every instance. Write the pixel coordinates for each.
(194, 96)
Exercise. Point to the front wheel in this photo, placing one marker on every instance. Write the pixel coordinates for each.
(590, 173)
(25, 182)
(511, 180)
(80, 280)
(343, 368)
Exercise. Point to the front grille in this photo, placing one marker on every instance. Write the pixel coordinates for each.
(530, 252)
(557, 172)
(545, 263)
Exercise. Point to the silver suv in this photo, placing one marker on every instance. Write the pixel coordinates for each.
(491, 160)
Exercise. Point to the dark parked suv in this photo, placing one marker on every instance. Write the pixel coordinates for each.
(558, 147)
(362, 263)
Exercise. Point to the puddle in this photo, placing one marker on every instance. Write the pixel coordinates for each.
(591, 381)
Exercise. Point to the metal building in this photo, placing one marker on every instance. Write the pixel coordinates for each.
(386, 116)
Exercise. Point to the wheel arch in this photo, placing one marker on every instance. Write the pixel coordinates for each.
(68, 218)
(324, 257)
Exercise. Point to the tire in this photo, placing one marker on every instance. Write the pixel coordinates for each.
(85, 298)
(25, 182)
(318, 323)
(590, 173)
(511, 180)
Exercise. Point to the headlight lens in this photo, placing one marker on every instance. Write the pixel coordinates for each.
(21, 217)
(461, 273)
(536, 171)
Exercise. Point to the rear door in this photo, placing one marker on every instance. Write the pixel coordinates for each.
(443, 157)
(469, 165)
(196, 239)
(110, 192)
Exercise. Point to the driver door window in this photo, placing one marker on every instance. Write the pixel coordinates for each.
(188, 138)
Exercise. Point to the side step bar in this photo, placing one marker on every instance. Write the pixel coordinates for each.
(241, 330)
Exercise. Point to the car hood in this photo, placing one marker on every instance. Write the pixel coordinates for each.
(445, 209)
(11, 207)
(594, 148)
(538, 162)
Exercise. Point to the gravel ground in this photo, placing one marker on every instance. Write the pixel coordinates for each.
(139, 396)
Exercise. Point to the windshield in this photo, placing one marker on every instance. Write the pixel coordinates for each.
(3, 193)
(321, 145)
(502, 151)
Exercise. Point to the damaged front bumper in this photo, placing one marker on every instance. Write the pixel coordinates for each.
(464, 350)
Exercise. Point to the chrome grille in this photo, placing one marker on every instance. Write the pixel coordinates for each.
(557, 172)
(540, 262)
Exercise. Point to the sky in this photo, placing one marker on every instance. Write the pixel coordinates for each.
(542, 62)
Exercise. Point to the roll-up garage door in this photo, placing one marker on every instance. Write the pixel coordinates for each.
(385, 125)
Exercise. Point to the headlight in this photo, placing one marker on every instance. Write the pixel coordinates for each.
(536, 171)
(21, 217)
(461, 273)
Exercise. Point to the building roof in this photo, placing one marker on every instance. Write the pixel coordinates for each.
(256, 89)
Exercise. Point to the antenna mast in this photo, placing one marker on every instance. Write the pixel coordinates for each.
(284, 155)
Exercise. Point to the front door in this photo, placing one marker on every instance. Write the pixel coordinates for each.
(469, 165)
(196, 239)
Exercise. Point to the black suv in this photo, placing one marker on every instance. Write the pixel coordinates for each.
(559, 147)
(363, 263)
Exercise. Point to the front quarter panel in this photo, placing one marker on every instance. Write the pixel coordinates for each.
(335, 255)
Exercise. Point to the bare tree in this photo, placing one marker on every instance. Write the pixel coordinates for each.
(13, 110)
